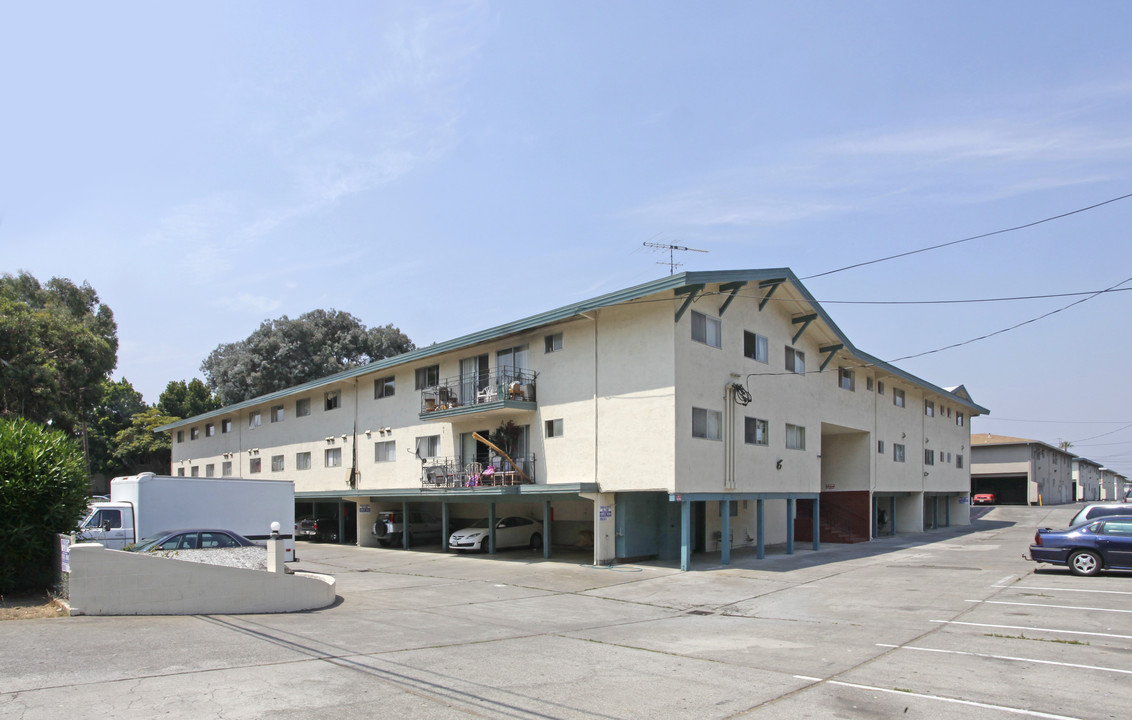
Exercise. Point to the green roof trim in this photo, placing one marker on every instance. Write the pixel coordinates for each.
(770, 276)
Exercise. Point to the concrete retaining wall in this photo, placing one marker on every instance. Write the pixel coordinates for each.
(113, 582)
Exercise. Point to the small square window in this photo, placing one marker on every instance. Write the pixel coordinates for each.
(427, 377)
(897, 452)
(333, 457)
(846, 379)
(226, 468)
(756, 431)
(384, 387)
(795, 361)
(180, 436)
(897, 397)
(254, 419)
(707, 424)
(180, 472)
(428, 446)
(276, 463)
(210, 470)
(756, 347)
(226, 426)
(385, 451)
(303, 461)
(302, 407)
(194, 433)
(795, 437)
(209, 430)
(277, 414)
(254, 465)
(332, 400)
(195, 471)
(553, 342)
(706, 330)
(554, 428)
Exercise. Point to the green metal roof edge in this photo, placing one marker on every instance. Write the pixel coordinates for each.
(566, 312)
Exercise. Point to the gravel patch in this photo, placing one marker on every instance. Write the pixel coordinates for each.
(249, 558)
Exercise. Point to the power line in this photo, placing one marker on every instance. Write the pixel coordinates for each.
(1111, 432)
(968, 239)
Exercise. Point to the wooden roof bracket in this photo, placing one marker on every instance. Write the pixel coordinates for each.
(804, 321)
(771, 286)
(832, 350)
(692, 291)
(732, 288)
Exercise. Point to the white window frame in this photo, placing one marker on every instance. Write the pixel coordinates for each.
(303, 460)
(255, 419)
(209, 430)
(385, 451)
(302, 407)
(899, 452)
(426, 377)
(795, 360)
(707, 424)
(553, 343)
(762, 347)
(385, 387)
(795, 437)
(225, 426)
(898, 397)
(707, 329)
(554, 428)
(277, 463)
(210, 470)
(254, 466)
(428, 446)
(226, 468)
(332, 457)
(846, 379)
(276, 413)
(756, 431)
(929, 408)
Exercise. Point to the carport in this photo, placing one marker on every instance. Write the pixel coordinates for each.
(1008, 489)
(497, 499)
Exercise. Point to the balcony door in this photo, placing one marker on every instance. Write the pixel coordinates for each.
(512, 363)
(474, 376)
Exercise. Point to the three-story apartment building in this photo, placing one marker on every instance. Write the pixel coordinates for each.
(699, 412)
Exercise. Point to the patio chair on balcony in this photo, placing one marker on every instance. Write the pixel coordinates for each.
(447, 397)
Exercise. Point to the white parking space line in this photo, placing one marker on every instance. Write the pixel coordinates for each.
(1036, 629)
(1009, 657)
(1003, 582)
(1080, 590)
(1044, 605)
(940, 698)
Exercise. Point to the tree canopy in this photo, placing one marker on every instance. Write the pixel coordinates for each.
(138, 449)
(284, 352)
(113, 412)
(186, 399)
(58, 343)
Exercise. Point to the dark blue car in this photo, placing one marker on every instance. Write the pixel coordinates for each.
(1104, 544)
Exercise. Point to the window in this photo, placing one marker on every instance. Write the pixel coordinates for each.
(277, 413)
(180, 436)
(303, 461)
(302, 407)
(929, 457)
(897, 397)
(795, 360)
(385, 451)
(959, 419)
(226, 468)
(554, 428)
(795, 437)
(210, 470)
(226, 425)
(707, 424)
(553, 342)
(194, 433)
(209, 430)
(254, 419)
(880, 447)
(756, 347)
(195, 471)
(384, 387)
(869, 383)
(897, 452)
(929, 408)
(948, 412)
(880, 387)
(332, 400)
(846, 379)
(333, 457)
(276, 463)
(254, 465)
(108, 515)
(427, 377)
(706, 330)
(428, 446)
(755, 431)
(180, 472)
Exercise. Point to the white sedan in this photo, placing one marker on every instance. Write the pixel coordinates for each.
(512, 531)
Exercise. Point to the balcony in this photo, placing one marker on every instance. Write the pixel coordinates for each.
(450, 473)
(504, 388)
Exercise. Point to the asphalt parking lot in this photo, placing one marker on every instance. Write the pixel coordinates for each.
(951, 623)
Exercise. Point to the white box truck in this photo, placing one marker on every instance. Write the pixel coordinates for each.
(141, 506)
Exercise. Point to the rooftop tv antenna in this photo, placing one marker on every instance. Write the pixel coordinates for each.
(672, 264)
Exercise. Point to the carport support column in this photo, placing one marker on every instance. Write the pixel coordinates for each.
(445, 533)
(817, 523)
(685, 534)
(546, 529)
(725, 533)
(605, 529)
(789, 526)
(490, 528)
(405, 525)
(760, 534)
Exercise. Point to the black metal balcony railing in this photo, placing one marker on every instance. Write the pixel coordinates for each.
(455, 473)
(492, 386)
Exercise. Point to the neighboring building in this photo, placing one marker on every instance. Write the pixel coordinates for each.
(1086, 479)
(698, 412)
(1021, 471)
(1114, 486)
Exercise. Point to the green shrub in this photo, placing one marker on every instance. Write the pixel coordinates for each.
(43, 490)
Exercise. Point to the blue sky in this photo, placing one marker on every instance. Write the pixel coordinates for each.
(449, 166)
